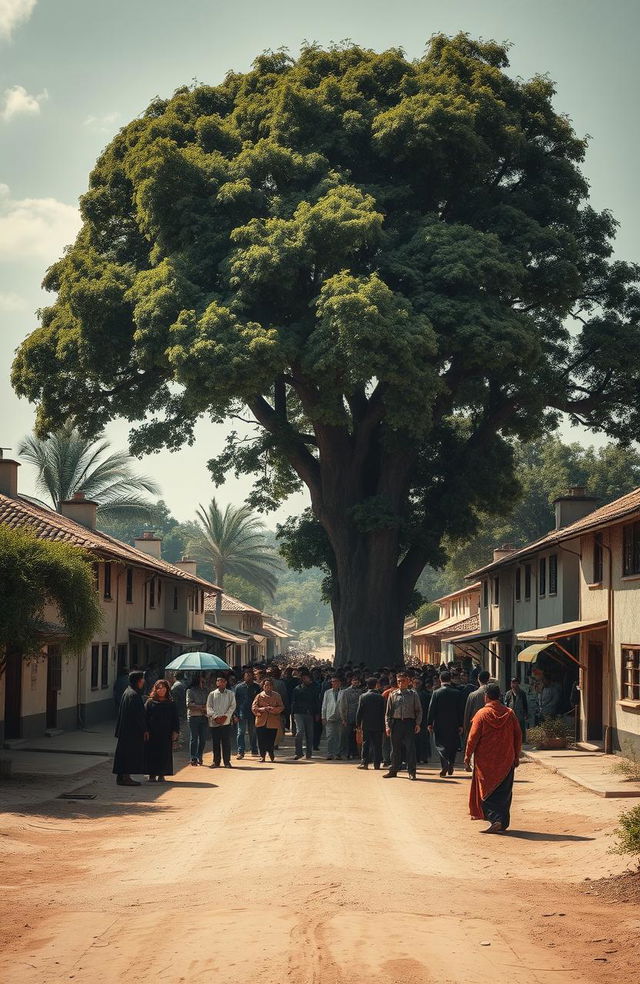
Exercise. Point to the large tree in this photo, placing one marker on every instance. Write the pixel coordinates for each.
(392, 265)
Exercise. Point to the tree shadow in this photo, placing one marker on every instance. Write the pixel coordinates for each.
(535, 835)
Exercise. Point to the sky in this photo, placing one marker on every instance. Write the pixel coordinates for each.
(72, 72)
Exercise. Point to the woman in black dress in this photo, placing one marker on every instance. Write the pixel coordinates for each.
(163, 726)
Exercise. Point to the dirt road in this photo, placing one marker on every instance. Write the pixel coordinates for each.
(310, 872)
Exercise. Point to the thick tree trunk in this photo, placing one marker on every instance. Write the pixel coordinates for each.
(369, 607)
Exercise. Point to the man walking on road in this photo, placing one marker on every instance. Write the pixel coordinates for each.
(131, 732)
(370, 717)
(245, 694)
(332, 720)
(403, 720)
(516, 699)
(494, 742)
(475, 700)
(348, 708)
(445, 722)
(221, 704)
(305, 707)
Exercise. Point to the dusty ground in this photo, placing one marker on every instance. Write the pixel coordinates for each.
(308, 872)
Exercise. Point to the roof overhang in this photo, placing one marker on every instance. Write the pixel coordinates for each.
(224, 634)
(481, 636)
(166, 637)
(552, 632)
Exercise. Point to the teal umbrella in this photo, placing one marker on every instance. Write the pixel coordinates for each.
(197, 661)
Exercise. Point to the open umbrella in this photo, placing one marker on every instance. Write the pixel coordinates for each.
(197, 661)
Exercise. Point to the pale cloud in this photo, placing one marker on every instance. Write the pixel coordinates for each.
(12, 14)
(37, 228)
(103, 124)
(18, 102)
(11, 302)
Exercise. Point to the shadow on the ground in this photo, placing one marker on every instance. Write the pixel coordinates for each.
(536, 835)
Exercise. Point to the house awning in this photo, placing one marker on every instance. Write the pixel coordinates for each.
(481, 636)
(552, 632)
(225, 634)
(531, 653)
(275, 630)
(166, 637)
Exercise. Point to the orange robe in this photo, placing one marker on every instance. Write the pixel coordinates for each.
(495, 740)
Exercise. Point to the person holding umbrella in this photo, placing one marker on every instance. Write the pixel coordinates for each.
(163, 725)
(197, 695)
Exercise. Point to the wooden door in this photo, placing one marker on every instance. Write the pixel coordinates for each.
(13, 695)
(54, 682)
(594, 693)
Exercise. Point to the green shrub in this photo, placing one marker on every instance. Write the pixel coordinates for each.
(627, 833)
(549, 730)
(629, 768)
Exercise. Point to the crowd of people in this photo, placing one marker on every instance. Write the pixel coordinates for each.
(394, 719)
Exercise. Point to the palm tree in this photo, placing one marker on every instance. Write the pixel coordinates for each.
(67, 463)
(234, 542)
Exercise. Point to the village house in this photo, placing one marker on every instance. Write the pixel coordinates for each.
(569, 604)
(250, 636)
(151, 609)
(458, 618)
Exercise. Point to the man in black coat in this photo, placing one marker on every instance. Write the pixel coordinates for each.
(131, 732)
(444, 721)
(370, 717)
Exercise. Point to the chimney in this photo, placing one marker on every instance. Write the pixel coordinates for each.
(8, 476)
(188, 565)
(150, 544)
(500, 552)
(573, 505)
(80, 510)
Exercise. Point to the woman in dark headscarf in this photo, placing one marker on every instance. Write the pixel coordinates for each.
(131, 732)
(163, 726)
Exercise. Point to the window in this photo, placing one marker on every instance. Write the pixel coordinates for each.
(630, 689)
(107, 582)
(485, 594)
(496, 591)
(542, 576)
(175, 599)
(152, 593)
(553, 574)
(518, 585)
(104, 666)
(191, 601)
(631, 550)
(527, 582)
(201, 601)
(134, 654)
(95, 666)
(96, 575)
(129, 585)
(159, 590)
(597, 559)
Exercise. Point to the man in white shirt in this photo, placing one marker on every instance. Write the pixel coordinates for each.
(221, 705)
(332, 718)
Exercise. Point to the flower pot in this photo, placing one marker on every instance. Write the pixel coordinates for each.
(550, 743)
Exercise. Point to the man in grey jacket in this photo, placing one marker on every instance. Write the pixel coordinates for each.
(403, 720)
(475, 700)
(332, 719)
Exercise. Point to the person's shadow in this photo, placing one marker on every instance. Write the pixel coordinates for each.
(535, 835)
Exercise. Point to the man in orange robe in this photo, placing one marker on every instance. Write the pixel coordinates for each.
(494, 741)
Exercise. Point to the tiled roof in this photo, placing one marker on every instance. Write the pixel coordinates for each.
(449, 626)
(460, 591)
(230, 604)
(50, 525)
(615, 511)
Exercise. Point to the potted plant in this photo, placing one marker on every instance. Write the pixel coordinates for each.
(553, 732)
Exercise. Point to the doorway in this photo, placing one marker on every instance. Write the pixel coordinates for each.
(13, 695)
(595, 730)
(54, 684)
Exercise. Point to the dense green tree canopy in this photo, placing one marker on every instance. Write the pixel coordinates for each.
(34, 573)
(392, 264)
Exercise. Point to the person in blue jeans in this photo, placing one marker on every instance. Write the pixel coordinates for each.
(196, 701)
(246, 692)
(305, 708)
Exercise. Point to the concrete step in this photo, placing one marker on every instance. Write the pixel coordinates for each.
(15, 743)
